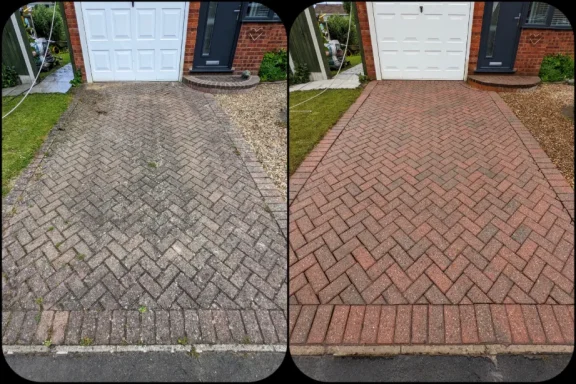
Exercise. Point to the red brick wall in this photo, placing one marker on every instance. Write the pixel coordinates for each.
(366, 42)
(536, 43)
(250, 49)
(191, 31)
(475, 38)
(75, 46)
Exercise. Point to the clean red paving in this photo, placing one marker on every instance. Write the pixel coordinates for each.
(430, 215)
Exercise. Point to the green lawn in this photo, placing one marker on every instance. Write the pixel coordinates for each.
(65, 60)
(354, 60)
(308, 128)
(25, 129)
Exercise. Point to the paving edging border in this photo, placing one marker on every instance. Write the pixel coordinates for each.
(557, 182)
(274, 200)
(424, 325)
(307, 167)
(122, 328)
(199, 348)
(393, 350)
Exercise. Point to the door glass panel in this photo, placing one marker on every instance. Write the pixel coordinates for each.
(537, 13)
(208, 31)
(559, 19)
(493, 26)
(257, 10)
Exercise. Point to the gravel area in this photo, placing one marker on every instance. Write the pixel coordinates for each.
(544, 111)
(261, 116)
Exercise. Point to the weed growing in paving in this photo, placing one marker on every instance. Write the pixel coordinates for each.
(37, 317)
(152, 164)
(40, 302)
(47, 343)
(86, 341)
(193, 352)
(80, 256)
(183, 340)
(142, 309)
(50, 229)
(246, 340)
(57, 245)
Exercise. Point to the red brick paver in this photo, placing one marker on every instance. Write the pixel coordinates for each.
(430, 215)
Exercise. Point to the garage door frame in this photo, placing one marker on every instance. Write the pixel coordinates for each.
(84, 40)
(374, 39)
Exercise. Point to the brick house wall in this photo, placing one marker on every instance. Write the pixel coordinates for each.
(249, 51)
(254, 40)
(365, 37)
(477, 15)
(536, 43)
(191, 32)
(75, 47)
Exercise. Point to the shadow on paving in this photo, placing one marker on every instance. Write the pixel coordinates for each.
(150, 366)
(433, 368)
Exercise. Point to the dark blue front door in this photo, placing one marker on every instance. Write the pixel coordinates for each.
(217, 34)
(500, 35)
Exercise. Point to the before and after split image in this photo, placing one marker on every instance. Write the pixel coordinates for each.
(331, 191)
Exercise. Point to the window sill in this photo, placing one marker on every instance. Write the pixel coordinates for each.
(528, 26)
(261, 21)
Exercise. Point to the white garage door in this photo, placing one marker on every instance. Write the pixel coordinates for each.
(422, 40)
(134, 40)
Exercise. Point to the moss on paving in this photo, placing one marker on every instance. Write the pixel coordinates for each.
(24, 131)
(308, 128)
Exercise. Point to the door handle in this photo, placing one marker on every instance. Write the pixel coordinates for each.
(517, 17)
(132, 4)
(421, 9)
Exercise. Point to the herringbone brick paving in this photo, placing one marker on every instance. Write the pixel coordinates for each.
(144, 201)
(429, 211)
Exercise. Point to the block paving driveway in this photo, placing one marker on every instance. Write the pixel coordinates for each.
(144, 225)
(430, 215)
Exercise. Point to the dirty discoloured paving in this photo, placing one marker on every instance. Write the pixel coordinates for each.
(102, 234)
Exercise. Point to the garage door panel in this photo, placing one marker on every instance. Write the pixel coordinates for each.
(102, 64)
(169, 22)
(96, 24)
(101, 60)
(145, 24)
(140, 42)
(428, 45)
(168, 59)
(121, 24)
